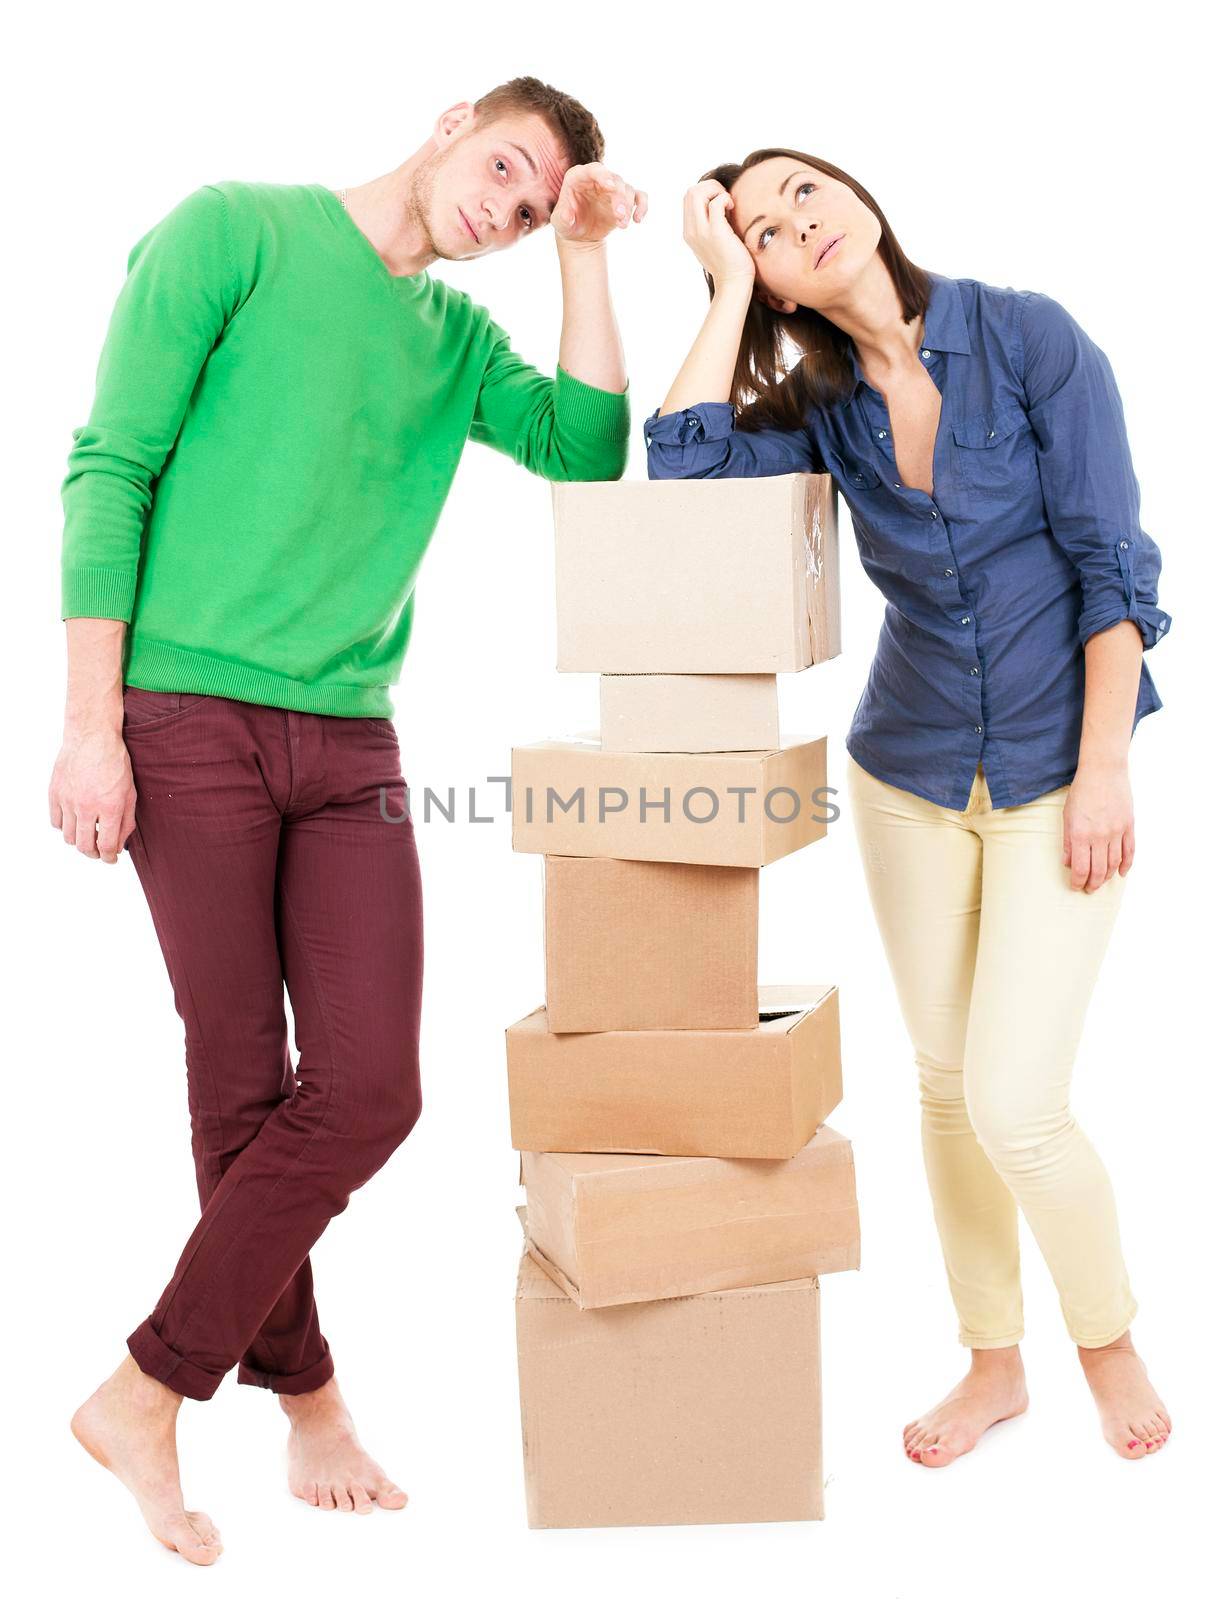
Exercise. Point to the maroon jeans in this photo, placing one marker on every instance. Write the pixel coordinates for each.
(263, 845)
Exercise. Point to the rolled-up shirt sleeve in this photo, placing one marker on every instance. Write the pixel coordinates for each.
(1090, 489)
(703, 441)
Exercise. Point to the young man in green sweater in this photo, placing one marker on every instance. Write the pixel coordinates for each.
(282, 400)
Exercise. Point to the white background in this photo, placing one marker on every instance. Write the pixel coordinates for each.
(1042, 146)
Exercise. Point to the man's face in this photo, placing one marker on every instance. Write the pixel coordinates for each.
(486, 187)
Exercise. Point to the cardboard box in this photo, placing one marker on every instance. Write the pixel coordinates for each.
(719, 575)
(685, 1411)
(610, 1229)
(689, 711)
(649, 944)
(730, 808)
(754, 1092)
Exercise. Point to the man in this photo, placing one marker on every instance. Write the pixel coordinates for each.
(282, 401)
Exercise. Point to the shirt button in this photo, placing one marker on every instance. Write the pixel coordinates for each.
(934, 516)
(1123, 544)
(948, 572)
(975, 671)
(965, 620)
(882, 434)
(978, 729)
(692, 422)
(926, 354)
(993, 435)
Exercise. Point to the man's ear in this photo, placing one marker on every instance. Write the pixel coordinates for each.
(453, 121)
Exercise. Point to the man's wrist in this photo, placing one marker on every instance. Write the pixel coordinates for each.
(580, 249)
(85, 718)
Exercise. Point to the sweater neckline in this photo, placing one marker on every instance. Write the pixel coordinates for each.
(342, 220)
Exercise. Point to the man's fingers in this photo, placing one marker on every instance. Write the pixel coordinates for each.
(86, 833)
(56, 811)
(109, 826)
(128, 819)
(641, 205)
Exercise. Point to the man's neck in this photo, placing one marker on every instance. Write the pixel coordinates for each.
(385, 210)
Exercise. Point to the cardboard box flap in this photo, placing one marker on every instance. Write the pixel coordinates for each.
(787, 999)
(781, 1008)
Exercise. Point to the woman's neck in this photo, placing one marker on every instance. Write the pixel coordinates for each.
(871, 314)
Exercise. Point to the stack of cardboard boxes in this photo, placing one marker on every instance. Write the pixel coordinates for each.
(683, 1193)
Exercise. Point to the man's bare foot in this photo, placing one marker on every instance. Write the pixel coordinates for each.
(130, 1427)
(1135, 1423)
(327, 1465)
(994, 1388)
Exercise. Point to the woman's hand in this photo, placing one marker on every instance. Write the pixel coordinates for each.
(706, 229)
(1099, 831)
(594, 202)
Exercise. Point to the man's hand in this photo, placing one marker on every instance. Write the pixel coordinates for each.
(594, 202)
(92, 793)
(1099, 836)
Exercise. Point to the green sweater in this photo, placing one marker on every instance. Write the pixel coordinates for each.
(276, 426)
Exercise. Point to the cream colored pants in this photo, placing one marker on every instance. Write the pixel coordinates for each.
(994, 958)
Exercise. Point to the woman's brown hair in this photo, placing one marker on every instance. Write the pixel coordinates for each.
(767, 389)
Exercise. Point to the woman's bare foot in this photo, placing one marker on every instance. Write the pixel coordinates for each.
(327, 1465)
(1135, 1423)
(130, 1427)
(994, 1388)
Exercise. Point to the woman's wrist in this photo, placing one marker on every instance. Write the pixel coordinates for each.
(1102, 762)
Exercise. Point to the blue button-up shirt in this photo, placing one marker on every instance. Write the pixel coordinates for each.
(1030, 543)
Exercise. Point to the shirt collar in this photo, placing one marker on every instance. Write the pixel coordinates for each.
(945, 325)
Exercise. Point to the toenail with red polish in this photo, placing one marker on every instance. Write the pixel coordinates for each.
(1132, 1443)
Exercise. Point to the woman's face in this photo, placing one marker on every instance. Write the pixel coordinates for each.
(810, 235)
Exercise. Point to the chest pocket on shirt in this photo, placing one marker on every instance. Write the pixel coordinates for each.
(993, 451)
(859, 476)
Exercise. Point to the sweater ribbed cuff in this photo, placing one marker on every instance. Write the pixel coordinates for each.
(98, 592)
(596, 413)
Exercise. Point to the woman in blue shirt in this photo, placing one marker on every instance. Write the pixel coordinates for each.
(978, 438)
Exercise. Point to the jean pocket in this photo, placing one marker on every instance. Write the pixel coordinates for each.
(155, 708)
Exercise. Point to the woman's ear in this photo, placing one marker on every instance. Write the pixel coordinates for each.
(774, 302)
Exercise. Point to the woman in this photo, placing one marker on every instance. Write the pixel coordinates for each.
(978, 438)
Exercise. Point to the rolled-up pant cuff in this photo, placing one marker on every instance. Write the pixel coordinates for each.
(313, 1377)
(160, 1361)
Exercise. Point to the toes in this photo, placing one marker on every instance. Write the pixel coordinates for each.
(204, 1528)
(362, 1503)
(181, 1535)
(1134, 1445)
(324, 1497)
(342, 1498)
(390, 1496)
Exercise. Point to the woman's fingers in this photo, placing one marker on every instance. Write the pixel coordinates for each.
(695, 203)
(1079, 860)
(1098, 865)
(1129, 851)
